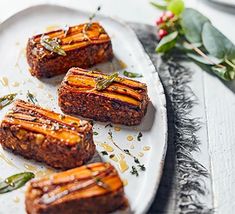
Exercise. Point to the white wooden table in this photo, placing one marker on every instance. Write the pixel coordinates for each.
(216, 99)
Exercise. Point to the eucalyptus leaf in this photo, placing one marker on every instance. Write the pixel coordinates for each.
(224, 73)
(176, 6)
(15, 181)
(216, 43)
(192, 23)
(159, 6)
(212, 60)
(167, 42)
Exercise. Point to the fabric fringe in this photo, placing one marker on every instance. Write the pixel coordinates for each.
(190, 173)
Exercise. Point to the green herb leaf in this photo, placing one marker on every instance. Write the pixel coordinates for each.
(136, 160)
(216, 43)
(102, 84)
(131, 74)
(142, 167)
(15, 181)
(108, 125)
(104, 153)
(31, 98)
(52, 45)
(134, 171)
(167, 42)
(6, 100)
(159, 6)
(192, 23)
(176, 6)
(127, 151)
(95, 133)
(140, 135)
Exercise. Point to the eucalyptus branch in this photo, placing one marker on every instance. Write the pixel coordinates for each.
(197, 50)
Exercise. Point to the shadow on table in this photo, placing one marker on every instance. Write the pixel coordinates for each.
(226, 8)
(166, 186)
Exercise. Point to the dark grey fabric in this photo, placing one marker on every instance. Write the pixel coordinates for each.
(179, 187)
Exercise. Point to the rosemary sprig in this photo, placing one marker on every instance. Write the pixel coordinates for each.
(102, 84)
(7, 100)
(31, 98)
(52, 44)
(15, 181)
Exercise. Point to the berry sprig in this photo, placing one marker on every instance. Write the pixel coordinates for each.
(166, 23)
(192, 34)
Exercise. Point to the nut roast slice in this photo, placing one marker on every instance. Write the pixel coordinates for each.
(60, 141)
(54, 52)
(123, 101)
(94, 188)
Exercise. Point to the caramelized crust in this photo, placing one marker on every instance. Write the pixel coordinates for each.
(95, 188)
(84, 48)
(124, 101)
(37, 133)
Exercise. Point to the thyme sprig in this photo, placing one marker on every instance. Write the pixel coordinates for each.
(92, 17)
(126, 151)
(134, 171)
(31, 98)
(89, 24)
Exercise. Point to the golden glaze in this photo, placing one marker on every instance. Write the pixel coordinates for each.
(122, 89)
(78, 183)
(45, 122)
(77, 37)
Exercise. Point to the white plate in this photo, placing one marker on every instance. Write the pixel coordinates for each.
(14, 33)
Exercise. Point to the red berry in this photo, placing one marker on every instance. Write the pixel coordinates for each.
(169, 14)
(159, 21)
(164, 17)
(162, 33)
